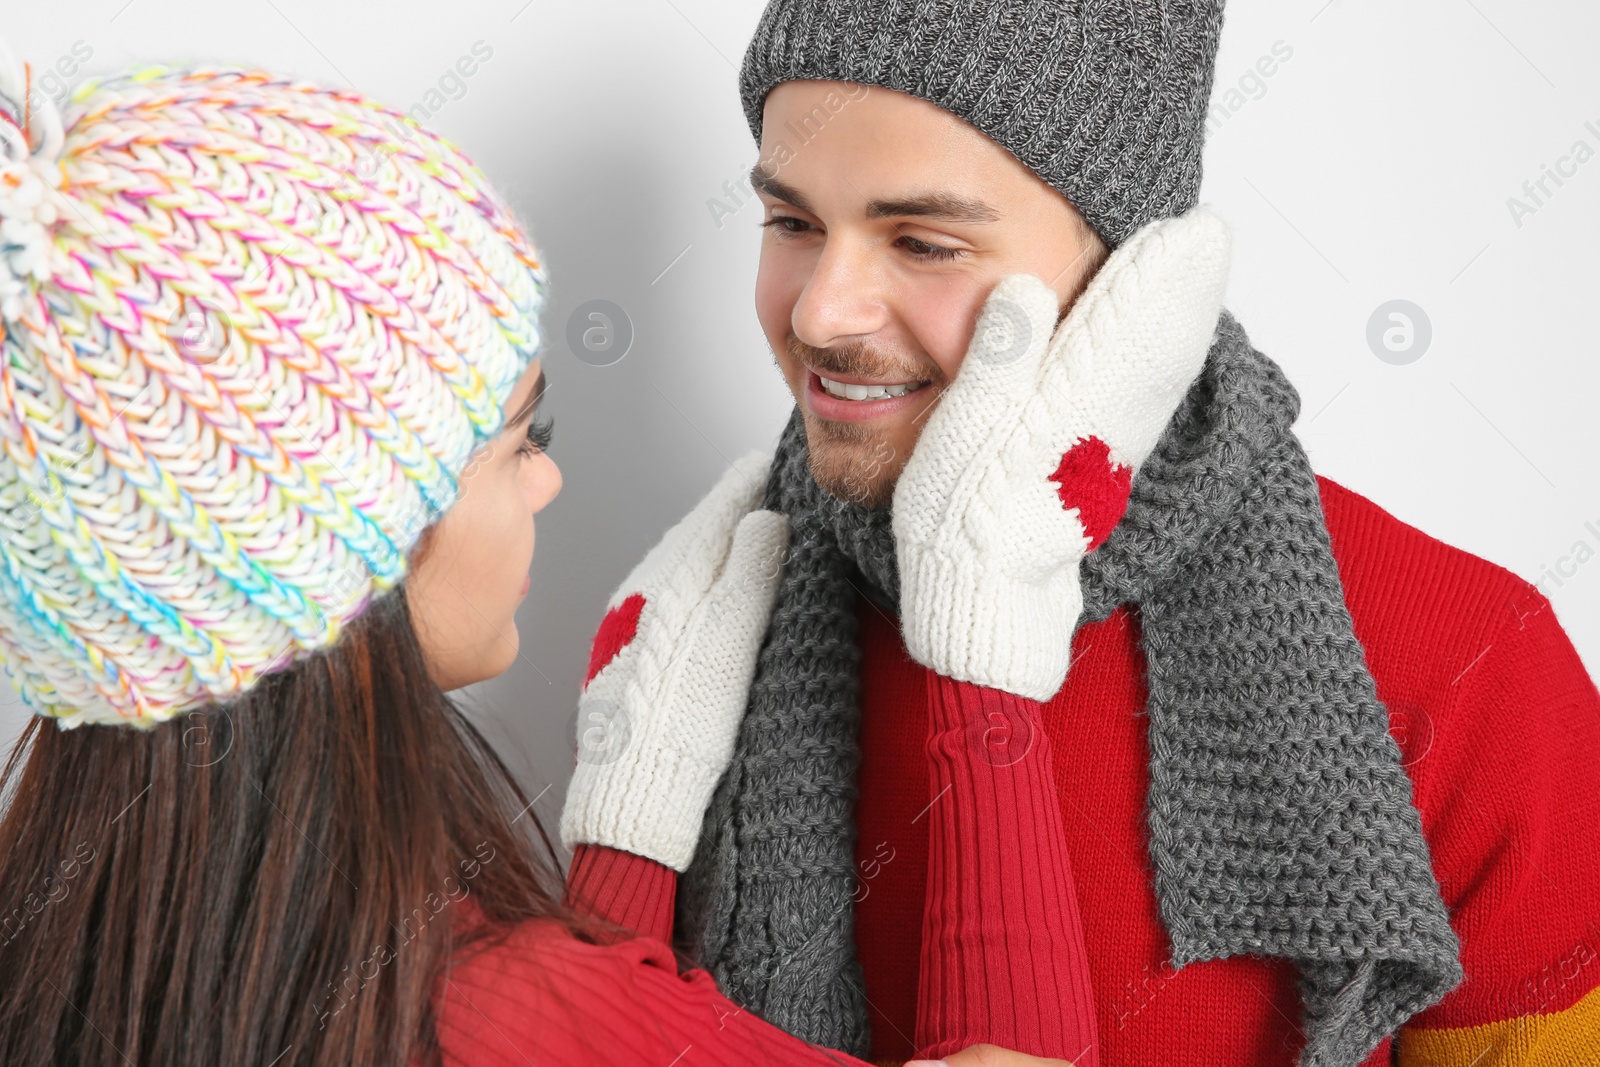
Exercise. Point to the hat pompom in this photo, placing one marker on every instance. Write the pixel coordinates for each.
(30, 177)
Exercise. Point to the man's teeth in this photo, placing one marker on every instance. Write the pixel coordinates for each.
(865, 392)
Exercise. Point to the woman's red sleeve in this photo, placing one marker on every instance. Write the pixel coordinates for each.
(619, 887)
(1003, 957)
(544, 997)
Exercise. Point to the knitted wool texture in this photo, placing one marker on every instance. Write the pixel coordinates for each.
(670, 674)
(1103, 99)
(1280, 818)
(989, 525)
(767, 903)
(254, 330)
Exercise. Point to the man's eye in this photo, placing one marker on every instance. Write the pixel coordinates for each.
(925, 250)
(790, 226)
(787, 224)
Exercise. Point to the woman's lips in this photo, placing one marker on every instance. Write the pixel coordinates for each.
(836, 409)
(527, 583)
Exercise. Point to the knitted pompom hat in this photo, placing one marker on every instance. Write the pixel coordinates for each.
(1103, 99)
(253, 331)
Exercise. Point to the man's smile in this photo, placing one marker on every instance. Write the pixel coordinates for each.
(843, 398)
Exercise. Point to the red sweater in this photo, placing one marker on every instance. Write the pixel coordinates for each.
(1500, 730)
(968, 917)
(1001, 937)
(541, 997)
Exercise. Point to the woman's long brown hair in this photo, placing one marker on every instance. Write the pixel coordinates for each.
(269, 882)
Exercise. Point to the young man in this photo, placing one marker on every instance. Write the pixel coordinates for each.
(1327, 787)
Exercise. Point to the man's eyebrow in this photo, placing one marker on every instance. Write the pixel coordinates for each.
(780, 190)
(531, 403)
(945, 207)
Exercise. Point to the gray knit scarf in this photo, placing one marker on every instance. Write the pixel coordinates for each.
(1280, 818)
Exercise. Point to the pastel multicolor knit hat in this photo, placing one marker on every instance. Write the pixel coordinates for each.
(253, 332)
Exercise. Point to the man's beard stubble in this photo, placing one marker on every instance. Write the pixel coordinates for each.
(853, 462)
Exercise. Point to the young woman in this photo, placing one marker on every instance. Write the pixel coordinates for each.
(269, 463)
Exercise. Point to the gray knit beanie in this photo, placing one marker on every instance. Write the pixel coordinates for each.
(1103, 99)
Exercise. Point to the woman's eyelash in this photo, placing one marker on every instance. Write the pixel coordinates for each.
(929, 251)
(540, 431)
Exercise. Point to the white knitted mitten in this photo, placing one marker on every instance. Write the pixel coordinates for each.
(670, 673)
(1025, 465)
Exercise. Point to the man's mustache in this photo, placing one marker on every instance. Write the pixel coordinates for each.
(856, 359)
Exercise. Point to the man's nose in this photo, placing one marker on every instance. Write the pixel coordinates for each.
(843, 299)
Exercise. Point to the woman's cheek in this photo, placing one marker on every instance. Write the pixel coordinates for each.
(514, 526)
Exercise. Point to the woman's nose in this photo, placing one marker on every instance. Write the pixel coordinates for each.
(543, 482)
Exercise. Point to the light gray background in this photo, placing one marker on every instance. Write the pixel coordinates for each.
(1374, 164)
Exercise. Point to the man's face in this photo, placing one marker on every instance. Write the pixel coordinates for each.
(888, 221)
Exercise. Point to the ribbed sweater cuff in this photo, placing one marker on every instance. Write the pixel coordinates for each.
(632, 891)
(1003, 957)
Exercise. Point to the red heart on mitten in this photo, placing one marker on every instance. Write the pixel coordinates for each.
(616, 630)
(1094, 485)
